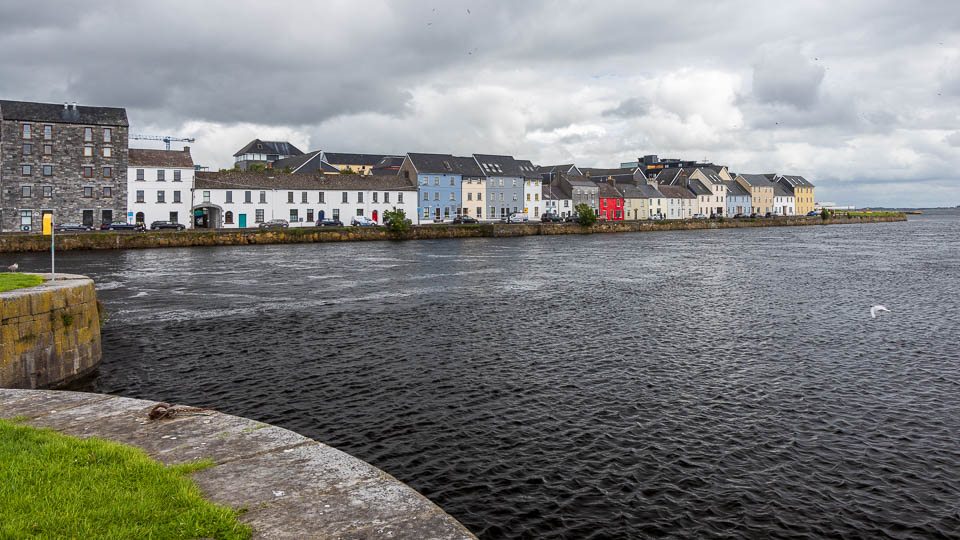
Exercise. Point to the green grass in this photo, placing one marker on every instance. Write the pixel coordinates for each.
(55, 486)
(11, 281)
(862, 213)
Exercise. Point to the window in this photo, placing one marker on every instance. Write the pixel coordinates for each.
(426, 180)
(436, 196)
(229, 196)
(88, 172)
(258, 216)
(107, 135)
(176, 196)
(27, 149)
(88, 191)
(451, 181)
(161, 175)
(26, 170)
(87, 134)
(359, 211)
(47, 149)
(536, 197)
(48, 191)
(514, 197)
(25, 191)
(48, 170)
(345, 196)
(320, 198)
(108, 172)
(479, 196)
(528, 197)
(374, 196)
(25, 132)
(290, 197)
(176, 175)
(263, 197)
(140, 175)
(107, 191)
(294, 215)
(174, 217)
(206, 196)
(310, 215)
(48, 133)
(426, 196)
(336, 213)
(359, 196)
(161, 196)
(26, 219)
(479, 211)
(386, 197)
(453, 196)
(469, 196)
(400, 197)
(493, 211)
(228, 218)
(140, 195)
(501, 182)
(248, 196)
(436, 180)
(88, 218)
(303, 197)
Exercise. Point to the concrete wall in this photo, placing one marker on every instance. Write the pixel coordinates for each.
(13, 243)
(49, 334)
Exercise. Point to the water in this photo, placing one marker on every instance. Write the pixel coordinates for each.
(688, 384)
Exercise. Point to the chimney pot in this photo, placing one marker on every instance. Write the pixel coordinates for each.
(66, 105)
(74, 105)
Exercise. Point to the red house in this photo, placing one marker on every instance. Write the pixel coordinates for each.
(611, 202)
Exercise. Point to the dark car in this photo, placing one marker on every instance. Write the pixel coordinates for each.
(275, 224)
(754, 215)
(72, 227)
(158, 225)
(123, 226)
(572, 219)
(329, 223)
(551, 218)
(464, 219)
(738, 216)
(812, 213)
(768, 215)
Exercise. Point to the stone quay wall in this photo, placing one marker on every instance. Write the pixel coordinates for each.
(50, 333)
(14, 243)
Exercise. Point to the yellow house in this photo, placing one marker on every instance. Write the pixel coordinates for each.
(761, 191)
(472, 186)
(358, 163)
(802, 190)
(636, 204)
(715, 201)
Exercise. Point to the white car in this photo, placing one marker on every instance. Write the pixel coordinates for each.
(700, 216)
(362, 221)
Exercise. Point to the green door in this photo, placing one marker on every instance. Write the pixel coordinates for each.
(243, 221)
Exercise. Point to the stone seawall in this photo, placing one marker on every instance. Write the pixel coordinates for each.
(15, 243)
(291, 486)
(50, 333)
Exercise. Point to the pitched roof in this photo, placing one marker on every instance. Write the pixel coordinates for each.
(595, 172)
(557, 168)
(607, 191)
(494, 165)
(553, 193)
(676, 192)
(434, 163)
(756, 180)
(796, 181)
(341, 158)
(668, 176)
(650, 192)
(257, 146)
(467, 166)
(698, 189)
(389, 162)
(58, 113)
(712, 175)
(631, 191)
(779, 190)
(308, 163)
(734, 189)
(527, 169)
(580, 181)
(146, 157)
(272, 180)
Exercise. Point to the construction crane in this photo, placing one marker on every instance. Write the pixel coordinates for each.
(165, 138)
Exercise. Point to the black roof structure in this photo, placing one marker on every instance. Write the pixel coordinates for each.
(62, 113)
(257, 146)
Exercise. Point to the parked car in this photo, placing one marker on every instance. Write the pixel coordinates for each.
(516, 217)
(754, 215)
(572, 218)
(768, 215)
(275, 224)
(813, 213)
(123, 226)
(699, 216)
(464, 219)
(157, 225)
(362, 221)
(72, 227)
(550, 217)
(329, 223)
(739, 215)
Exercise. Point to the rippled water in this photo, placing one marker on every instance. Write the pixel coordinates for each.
(688, 384)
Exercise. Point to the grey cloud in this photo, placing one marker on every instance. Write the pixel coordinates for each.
(629, 108)
(953, 139)
(785, 76)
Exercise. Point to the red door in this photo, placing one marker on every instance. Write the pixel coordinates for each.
(374, 215)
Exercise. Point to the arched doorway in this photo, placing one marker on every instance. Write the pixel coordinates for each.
(207, 216)
(375, 216)
(140, 217)
(320, 217)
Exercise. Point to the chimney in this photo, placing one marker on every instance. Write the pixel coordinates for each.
(66, 105)
(74, 105)
(186, 149)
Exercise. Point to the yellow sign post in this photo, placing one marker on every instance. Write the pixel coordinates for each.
(48, 229)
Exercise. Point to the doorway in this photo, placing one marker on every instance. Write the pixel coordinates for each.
(242, 220)
(375, 216)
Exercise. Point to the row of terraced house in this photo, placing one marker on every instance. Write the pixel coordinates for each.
(74, 161)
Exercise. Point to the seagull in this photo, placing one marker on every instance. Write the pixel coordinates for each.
(877, 309)
(13, 267)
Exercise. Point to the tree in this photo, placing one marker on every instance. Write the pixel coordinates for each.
(586, 214)
(347, 170)
(256, 167)
(396, 221)
(824, 214)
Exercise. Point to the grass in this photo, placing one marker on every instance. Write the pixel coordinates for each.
(11, 281)
(840, 213)
(55, 486)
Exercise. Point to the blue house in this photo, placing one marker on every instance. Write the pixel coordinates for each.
(738, 199)
(438, 179)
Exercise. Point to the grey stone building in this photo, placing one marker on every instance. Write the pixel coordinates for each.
(67, 159)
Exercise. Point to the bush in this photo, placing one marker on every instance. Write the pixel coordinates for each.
(824, 214)
(586, 214)
(396, 221)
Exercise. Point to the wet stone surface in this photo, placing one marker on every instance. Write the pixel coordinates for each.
(292, 486)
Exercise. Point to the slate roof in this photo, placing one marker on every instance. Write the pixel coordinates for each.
(341, 158)
(434, 163)
(796, 181)
(467, 166)
(248, 180)
(282, 148)
(734, 189)
(779, 190)
(756, 180)
(554, 193)
(494, 165)
(698, 189)
(389, 162)
(527, 169)
(557, 168)
(631, 191)
(668, 176)
(308, 163)
(676, 192)
(580, 181)
(713, 175)
(650, 192)
(145, 157)
(603, 173)
(608, 191)
(56, 113)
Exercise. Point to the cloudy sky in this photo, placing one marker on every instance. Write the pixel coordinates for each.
(862, 98)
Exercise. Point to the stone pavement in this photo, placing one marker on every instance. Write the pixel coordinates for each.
(291, 486)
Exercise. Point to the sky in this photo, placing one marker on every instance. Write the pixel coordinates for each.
(860, 97)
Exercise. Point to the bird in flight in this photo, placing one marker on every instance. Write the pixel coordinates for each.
(877, 309)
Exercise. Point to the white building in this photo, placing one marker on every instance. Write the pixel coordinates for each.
(159, 183)
(532, 190)
(555, 201)
(784, 201)
(681, 202)
(238, 199)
